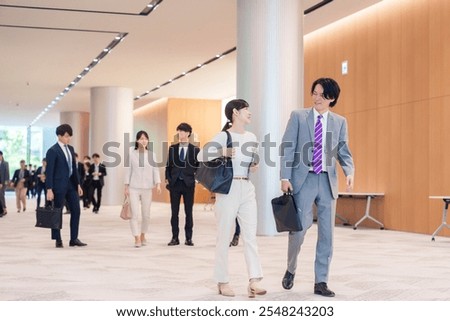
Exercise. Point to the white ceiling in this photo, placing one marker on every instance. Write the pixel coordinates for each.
(42, 50)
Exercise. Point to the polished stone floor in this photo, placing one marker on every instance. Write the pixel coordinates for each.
(368, 264)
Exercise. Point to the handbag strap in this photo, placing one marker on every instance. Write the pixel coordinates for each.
(229, 142)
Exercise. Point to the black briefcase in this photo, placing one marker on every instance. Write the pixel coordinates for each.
(287, 218)
(49, 217)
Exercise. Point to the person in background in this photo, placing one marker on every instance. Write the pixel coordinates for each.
(62, 183)
(30, 182)
(40, 182)
(20, 183)
(80, 169)
(180, 179)
(141, 176)
(240, 202)
(86, 185)
(4, 180)
(97, 172)
(310, 174)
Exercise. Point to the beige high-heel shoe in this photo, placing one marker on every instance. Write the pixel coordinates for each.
(143, 239)
(137, 241)
(254, 290)
(225, 289)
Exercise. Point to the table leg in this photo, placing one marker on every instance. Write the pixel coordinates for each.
(444, 219)
(367, 215)
(344, 221)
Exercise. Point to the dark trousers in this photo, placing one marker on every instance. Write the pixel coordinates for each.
(176, 191)
(39, 189)
(73, 203)
(86, 194)
(96, 186)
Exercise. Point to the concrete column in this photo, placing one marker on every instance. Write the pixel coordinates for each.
(270, 78)
(80, 125)
(110, 122)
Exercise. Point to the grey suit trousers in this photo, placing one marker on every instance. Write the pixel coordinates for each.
(316, 190)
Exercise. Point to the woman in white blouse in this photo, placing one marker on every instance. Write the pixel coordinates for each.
(240, 202)
(141, 176)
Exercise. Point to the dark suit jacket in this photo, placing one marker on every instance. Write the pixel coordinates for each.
(81, 172)
(101, 169)
(4, 172)
(175, 166)
(57, 170)
(36, 176)
(15, 178)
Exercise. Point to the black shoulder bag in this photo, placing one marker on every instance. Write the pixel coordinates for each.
(216, 175)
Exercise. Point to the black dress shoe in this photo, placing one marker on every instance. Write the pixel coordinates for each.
(76, 242)
(189, 243)
(174, 242)
(59, 244)
(322, 289)
(288, 280)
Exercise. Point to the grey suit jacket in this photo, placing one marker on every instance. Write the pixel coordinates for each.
(297, 148)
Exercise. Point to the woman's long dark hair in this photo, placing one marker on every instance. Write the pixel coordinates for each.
(231, 105)
(138, 135)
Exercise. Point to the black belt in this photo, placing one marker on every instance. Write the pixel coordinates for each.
(321, 172)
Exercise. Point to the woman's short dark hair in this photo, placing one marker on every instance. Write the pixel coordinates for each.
(138, 135)
(330, 87)
(61, 130)
(185, 127)
(230, 106)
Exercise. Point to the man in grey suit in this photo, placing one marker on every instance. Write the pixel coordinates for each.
(315, 138)
(4, 179)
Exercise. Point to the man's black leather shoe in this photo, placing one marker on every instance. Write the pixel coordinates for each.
(189, 243)
(76, 242)
(59, 244)
(174, 242)
(322, 289)
(288, 280)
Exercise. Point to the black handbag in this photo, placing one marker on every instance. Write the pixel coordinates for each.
(216, 175)
(49, 217)
(285, 213)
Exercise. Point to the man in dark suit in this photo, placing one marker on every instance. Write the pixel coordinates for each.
(4, 179)
(40, 182)
(97, 171)
(180, 179)
(62, 183)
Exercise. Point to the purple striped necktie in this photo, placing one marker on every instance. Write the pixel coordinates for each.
(317, 151)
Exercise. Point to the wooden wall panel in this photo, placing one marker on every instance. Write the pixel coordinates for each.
(388, 64)
(439, 35)
(388, 163)
(415, 51)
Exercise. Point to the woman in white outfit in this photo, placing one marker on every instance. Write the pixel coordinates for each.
(141, 176)
(240, 202)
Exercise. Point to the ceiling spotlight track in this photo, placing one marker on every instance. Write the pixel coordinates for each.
(316, 6)
(145, 12)
(117, 39)
(150, 7)
(199, 66)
